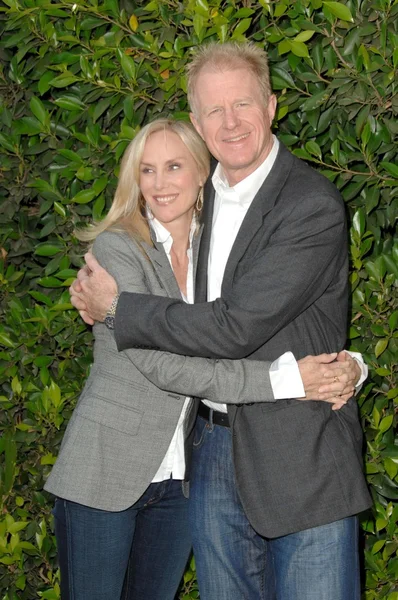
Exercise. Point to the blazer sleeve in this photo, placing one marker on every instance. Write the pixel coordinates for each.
(223, 381)
(284, 278)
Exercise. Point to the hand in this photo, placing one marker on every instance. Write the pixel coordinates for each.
(93, 291)
(329, 377)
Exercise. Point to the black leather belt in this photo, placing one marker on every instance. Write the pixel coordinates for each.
(218, 418)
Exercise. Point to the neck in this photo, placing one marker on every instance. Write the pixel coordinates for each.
(180, 234)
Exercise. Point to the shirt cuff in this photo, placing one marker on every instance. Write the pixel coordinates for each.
(285, 378)
(362, 365)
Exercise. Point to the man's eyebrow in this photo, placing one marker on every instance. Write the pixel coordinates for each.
(237, 100)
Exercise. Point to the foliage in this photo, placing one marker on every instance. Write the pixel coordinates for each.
(77, 80)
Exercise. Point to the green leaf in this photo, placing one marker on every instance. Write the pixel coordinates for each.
(298, 48)
(70, 102)
(315, 101)
(386, 423)
(380, 347)
(391, 168)
(5, 340)
(50, 282)
(304, 36)
(63, 80)
(127, 64)
(278, 74)
(358, 221)
(17, 526)
(37, 108)
(241, 27)
(339, 10)
(313, 148)
(47, 249)
(100, 108)
(84, 196)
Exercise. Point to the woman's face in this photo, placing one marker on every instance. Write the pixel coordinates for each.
(169, 178)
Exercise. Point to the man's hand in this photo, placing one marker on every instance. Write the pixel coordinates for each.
(329, 377)
(93, 291)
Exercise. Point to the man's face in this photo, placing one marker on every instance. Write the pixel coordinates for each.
(233, 120)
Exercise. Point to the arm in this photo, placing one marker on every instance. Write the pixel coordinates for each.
(286, 276)
(223, 381)
(219, 380)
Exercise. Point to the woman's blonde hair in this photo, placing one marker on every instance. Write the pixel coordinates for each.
(127, 212)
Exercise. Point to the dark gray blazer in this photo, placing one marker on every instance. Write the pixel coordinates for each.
(124, 421)
(298, 464)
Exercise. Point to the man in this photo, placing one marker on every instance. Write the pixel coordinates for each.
(274, 487)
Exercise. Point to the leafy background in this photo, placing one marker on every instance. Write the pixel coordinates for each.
(77, 80)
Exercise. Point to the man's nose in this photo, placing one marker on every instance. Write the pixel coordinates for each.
(231, 119)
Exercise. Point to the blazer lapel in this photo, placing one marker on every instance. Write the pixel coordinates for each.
(207, 218)
(263, 203)
(162, 268)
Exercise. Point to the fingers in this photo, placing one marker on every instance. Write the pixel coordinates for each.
(330, 396)
(338, 369)
(84, 273)
(320, 358)
(343, 356)
(86, 317)
(78, 303)
(337, 385)
(92, 262)
(75, 288)
(340, 401)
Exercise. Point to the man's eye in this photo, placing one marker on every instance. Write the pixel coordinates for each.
(214, 111)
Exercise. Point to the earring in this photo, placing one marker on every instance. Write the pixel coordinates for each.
(199, 201)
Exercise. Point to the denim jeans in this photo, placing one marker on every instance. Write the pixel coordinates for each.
(137, 554)
(234, 562)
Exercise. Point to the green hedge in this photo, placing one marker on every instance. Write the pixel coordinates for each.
(77, 80)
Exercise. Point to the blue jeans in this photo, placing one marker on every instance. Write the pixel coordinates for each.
(234, 562)
(137, 554)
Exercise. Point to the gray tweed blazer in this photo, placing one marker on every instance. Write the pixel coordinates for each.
(124, 421)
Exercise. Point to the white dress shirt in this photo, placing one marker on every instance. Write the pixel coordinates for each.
(174, 460)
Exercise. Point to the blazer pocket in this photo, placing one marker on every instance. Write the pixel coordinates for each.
(110, 401)
(269, 407)
(111, 414)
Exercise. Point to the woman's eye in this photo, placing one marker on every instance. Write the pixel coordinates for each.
(146, 170)
(175, 166)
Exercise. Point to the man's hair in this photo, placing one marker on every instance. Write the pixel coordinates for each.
(228, 57)
(128, 210)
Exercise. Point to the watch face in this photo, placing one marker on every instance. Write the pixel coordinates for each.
(110, 322)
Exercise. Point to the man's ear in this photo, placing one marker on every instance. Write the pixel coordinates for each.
(271, 107)
(196, 123)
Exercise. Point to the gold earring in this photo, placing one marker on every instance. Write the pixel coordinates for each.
(199, 201)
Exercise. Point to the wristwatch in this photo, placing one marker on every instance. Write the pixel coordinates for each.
(110, 315)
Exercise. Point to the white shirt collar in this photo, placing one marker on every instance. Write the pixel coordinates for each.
(164, 237)
(248, 187)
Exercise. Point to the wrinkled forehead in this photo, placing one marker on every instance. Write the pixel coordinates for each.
(215, 81)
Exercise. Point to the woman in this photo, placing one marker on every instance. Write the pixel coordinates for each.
(120, 513)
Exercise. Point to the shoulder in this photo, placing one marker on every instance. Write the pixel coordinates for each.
(113, 248)
(115, 240)
(307, 188)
